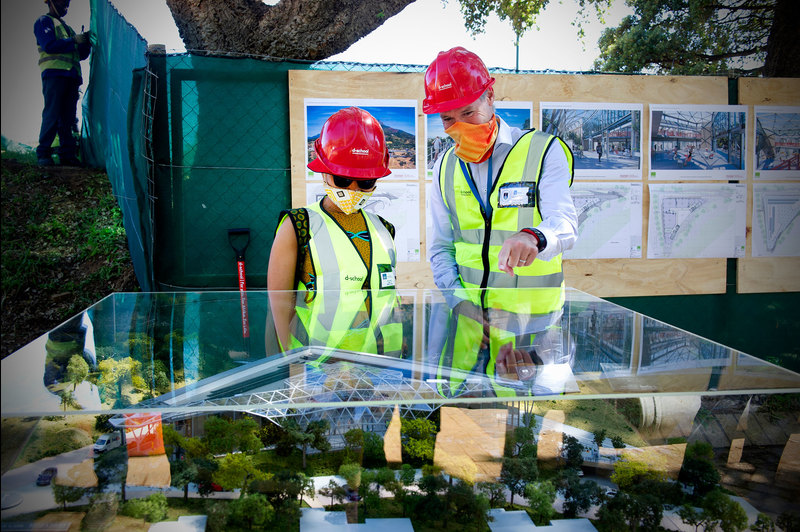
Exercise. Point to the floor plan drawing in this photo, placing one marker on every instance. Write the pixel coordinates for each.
(609, 220)
(696, 221)
(776, 211)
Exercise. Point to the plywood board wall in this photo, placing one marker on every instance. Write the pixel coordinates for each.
(762, 274)
(601, 277)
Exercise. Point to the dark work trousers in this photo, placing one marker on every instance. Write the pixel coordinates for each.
(59, 116)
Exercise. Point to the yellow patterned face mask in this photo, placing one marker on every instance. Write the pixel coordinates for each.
(349, 201)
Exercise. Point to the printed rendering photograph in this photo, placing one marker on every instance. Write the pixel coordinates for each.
(397, 118)
(605, 139)
(777, 142)
(697, 141)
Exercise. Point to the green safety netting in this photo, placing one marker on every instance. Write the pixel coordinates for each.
(108, 119)
(221, 147)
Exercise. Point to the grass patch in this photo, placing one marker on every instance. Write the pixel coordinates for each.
(591, 415)
(15, 433)
(64, 246)
(53, 436)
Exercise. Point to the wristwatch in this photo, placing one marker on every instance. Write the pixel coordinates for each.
(542, 241)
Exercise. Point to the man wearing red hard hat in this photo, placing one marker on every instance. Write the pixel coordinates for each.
(502, 216)
(334, 249)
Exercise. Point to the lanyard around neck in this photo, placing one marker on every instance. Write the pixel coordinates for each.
(486, 209)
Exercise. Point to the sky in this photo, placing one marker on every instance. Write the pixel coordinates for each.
(414, 36)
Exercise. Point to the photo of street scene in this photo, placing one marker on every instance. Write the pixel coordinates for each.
(436, 142)
(397, 118)
(697, 141)
(605, 139)
(777, 142)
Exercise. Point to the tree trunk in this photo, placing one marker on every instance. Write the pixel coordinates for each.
(783, 46)
(291, 29)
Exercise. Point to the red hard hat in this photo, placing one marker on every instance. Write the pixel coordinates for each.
(352, 145)
(456, 78)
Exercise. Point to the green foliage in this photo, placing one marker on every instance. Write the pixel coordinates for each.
(223, 435)
(373, 455)
(293, 435)
(111, 467)
(789, 521)
(352, 474)
(152, 508)
(406, 475)
(617, 442)
(102, 511)
(688, 37)
(764, 523)
(283, 486)
(55, 442)
(541, 495)
(631, 409)
(66, 494)
(101, 423)
(520, 13)
(628, 473)
(333, 490)
(778, 406)
(691, 515)
(217, 512)
(418, 437)
(114, 374)
(578, 496)
(574, 454)
(252, 511)
(236, 471)
(269, 434)
(632, 511)
(728, 513)
(494, 492)
(700, 449)
(54, 226)
(516, 473)
(698, 470)
(599, 436)
(77, 370)
(68, 401)
(466, 505)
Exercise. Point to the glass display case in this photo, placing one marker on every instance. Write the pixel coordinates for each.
(459, 383)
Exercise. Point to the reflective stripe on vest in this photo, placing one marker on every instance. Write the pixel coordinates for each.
(477, 249)
(60, 61)
(329, 318)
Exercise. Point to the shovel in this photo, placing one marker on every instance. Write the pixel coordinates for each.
(239, 240)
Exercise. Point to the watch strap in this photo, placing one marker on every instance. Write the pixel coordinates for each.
(541, 242)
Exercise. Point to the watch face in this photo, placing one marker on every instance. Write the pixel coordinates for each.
(542, 241)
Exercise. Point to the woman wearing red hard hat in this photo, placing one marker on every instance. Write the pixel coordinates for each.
(502, 216)
(338, 257)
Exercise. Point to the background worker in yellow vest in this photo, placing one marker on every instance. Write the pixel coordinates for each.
(340, 258)
(502, 216)
(60, 53)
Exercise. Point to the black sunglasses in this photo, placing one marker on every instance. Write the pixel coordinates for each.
(344, 182)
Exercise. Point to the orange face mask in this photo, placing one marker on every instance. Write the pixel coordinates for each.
(474, 142)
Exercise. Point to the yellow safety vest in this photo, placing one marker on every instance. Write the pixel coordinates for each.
(60, 61)
(336, 314)
(478, 239)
